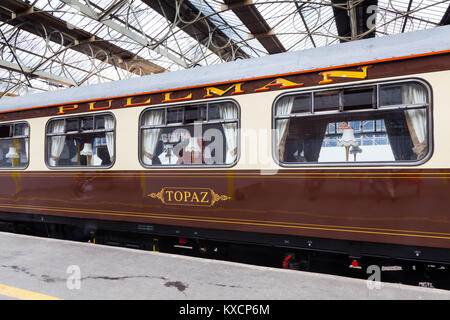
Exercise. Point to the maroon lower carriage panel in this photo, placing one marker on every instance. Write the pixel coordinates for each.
(406, 207)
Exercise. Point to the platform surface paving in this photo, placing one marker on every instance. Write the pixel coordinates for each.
(41, 268)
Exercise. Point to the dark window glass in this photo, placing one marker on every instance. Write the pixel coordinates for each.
(71, 125)
(403, 94)
(99, 123)
(20, 129)
(5, 131)
(87, 123)
(326, 101)
(302, 104)
(193, 114)
(357, 99)
(175, 115)
(390, 95)
(213, 112)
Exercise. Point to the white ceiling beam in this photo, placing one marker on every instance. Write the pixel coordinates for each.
(144, 41)
(39, 74)
(113, 7)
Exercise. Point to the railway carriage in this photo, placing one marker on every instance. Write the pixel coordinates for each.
(338, 149)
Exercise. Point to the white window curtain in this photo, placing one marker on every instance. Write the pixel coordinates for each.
(57, 142)
(109, 125)
(228, 111)
(416, 119)
(151, 136)
(284, 107)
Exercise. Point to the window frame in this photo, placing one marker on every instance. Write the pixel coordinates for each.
(377, 85)
(180, 125)
(18, 137)
(84, 115)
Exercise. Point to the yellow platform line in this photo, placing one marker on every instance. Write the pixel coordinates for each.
(23, 294)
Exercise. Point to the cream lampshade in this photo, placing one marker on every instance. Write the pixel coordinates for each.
(348, 139)
(12, 153)
(87, 150)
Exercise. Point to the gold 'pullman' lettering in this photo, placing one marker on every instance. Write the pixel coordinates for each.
(233, 89)
(131, 104)
(63, 109)
(283, 83)
(343, 74)
(92, 106)
(237, 90)
(167, 97)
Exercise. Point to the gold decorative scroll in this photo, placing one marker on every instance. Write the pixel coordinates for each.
(158, 195)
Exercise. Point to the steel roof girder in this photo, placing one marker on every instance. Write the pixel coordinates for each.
(144, 41)
(39, 74)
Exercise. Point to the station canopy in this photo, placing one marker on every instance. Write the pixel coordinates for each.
(47, 45)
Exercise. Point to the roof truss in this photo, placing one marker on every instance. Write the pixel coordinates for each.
(255, 22)
(51, 28)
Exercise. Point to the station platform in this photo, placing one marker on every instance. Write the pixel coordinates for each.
(41, 268)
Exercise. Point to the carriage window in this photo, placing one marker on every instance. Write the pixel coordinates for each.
(326, 101)
(403, 94)
(203, 134)
(362, 131)
(14, 145)
(358, 98)
(86, 141)
(302, 103)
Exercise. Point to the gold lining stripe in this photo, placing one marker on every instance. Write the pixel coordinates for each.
(95, 211)
(229, 173)
(293, 176)
(250, 172)
(281, 178)
(225, 210)
(242, 222)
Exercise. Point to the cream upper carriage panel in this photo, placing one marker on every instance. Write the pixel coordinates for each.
(435, 154)
(255, 139)
(253, 147)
